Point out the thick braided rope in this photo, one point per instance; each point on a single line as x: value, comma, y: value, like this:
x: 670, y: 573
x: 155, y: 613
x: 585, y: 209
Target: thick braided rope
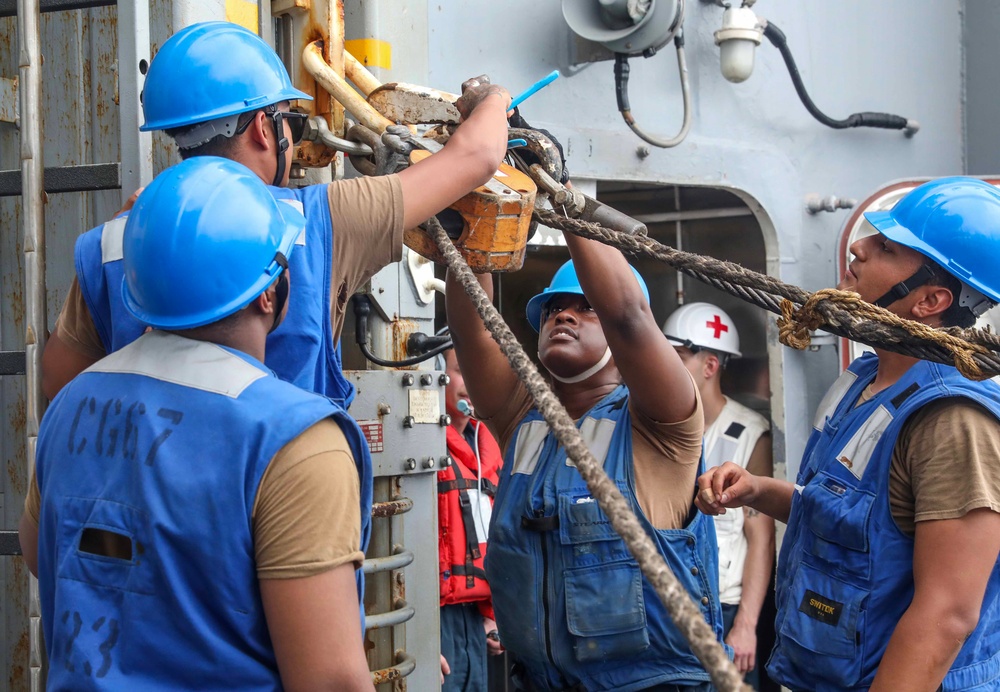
x: 972, y: 351
x: 686, y: 615
x: 795, y: 323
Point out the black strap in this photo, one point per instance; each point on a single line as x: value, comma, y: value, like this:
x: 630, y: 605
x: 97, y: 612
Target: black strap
x: 903, y: 288
x: 467, y: 571
x: 467, y: 484
x: 540, y: 524
x: 471, y: 539
x: 898, y: 400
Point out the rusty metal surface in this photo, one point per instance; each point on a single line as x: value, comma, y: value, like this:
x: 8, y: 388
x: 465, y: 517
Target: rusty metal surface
x: 405, y: 664
x: 8, y: 8
x: 299, y: 23
x: 79, y: 115
x: 334, y: 83
x: 411, y: 103
x: 391, y: 508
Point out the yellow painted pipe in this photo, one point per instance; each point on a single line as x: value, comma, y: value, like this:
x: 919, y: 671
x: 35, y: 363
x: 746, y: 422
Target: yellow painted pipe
x: 359, y: 74
x: 344, y: 93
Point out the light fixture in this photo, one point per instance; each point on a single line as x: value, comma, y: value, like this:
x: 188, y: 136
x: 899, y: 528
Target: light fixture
x: 738, y: 40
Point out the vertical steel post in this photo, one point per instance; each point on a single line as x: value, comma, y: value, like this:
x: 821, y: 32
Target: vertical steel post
x: 33, y: 218
x: 133, y: 60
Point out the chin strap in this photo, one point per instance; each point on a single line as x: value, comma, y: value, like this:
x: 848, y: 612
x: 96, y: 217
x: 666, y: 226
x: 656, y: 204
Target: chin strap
x: 280, y: 290
x: 970, y: 299
x: 592, y: 370
x: 903, y: 288
x: 283, y: 143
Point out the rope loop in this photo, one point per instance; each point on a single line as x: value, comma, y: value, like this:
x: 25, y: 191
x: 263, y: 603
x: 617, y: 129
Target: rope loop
x: 975, y: 353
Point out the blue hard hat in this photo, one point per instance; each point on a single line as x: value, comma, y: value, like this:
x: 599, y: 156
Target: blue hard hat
x: 565, y: 281
x: 956, y: 222
x: 212, y: 70
x: 204, y: 239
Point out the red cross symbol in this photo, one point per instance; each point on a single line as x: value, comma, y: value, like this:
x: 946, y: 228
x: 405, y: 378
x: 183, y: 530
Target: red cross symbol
x: 717, y: 326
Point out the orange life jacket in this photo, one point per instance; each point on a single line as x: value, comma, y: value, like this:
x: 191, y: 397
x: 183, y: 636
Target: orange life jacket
x: 460, y: 554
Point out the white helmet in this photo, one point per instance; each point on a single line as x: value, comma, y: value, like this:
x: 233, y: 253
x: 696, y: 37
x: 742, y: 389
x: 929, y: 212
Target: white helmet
x: 703, y: 325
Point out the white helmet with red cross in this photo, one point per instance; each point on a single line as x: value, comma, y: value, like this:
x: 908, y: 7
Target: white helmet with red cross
x: 703, y: 325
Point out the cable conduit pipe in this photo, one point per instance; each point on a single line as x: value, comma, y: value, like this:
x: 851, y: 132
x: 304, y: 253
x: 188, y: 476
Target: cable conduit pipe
x: 885, y: 121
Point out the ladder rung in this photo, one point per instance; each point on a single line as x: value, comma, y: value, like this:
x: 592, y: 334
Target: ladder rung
x: 85, y: 178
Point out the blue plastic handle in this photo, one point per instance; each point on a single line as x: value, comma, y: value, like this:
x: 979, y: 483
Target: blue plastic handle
x: 537, y: 86
x: 514, y: 143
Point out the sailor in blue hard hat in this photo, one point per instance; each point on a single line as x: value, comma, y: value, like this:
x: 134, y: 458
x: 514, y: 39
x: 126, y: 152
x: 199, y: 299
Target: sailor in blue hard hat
x: 571, y: 607
x: 219, y: 90
x: 889, y: 572
x: 159, y: 524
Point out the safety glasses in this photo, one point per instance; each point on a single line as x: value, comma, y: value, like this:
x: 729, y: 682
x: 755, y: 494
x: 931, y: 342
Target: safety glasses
x: 296, y: 123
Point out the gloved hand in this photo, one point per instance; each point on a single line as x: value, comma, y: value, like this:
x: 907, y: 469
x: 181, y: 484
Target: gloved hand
x: 518, y: 121
x: 476, y: 89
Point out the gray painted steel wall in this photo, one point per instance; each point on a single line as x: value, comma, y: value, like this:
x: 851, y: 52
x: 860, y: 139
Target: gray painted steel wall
x: 982, y: 107
x: 756, y: 138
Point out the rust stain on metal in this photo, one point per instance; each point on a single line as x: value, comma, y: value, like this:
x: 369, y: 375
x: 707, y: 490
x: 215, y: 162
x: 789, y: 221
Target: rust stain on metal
x: 380, y: 677
x: 319, y: 21
x: 401, y: 330
x: 17, y: 469
x: 20, y: 654
x: 15, y: 297
x: 16, y: 599
x: 399, y: 589
x: 392, y: 507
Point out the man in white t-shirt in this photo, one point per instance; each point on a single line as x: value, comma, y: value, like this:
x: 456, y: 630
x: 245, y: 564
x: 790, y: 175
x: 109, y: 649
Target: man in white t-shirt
x: 706, y: 338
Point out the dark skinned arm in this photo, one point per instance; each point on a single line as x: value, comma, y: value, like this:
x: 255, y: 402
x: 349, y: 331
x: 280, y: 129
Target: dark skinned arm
x: 647, y: 362
x: 491, y: 380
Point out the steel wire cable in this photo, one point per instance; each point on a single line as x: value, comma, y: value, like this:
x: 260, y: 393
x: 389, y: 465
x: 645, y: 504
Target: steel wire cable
x: 972, y: 351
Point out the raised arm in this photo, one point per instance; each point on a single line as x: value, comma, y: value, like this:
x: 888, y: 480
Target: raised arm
x: 659, y: 384
x: 469, y: 159
x: 488, y: 375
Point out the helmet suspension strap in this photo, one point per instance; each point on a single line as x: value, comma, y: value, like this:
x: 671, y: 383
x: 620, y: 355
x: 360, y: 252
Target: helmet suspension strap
x: 903, y: 288
x: 283, y: 143
x: 280, y: 290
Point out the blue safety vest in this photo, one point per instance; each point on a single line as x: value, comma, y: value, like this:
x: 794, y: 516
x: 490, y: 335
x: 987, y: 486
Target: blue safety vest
x: 302, y: 350
x: 164, y: 444
x: 572, y: 606
x: 845, y: 572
